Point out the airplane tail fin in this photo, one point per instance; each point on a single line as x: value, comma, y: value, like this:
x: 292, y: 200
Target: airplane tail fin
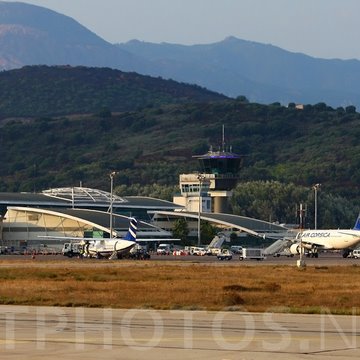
x: 131, y: 234
x: 357, y: 223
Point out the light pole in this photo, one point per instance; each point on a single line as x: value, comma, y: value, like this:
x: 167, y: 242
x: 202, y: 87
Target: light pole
x: 201, y: 179
x: 301, y: 261
x: 316, y: 188
x: 112, y: 174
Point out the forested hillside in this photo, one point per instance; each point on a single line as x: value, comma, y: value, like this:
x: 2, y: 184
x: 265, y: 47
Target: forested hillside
x: 151, y: 144
x: 317, y: 144
x: 64, y: 90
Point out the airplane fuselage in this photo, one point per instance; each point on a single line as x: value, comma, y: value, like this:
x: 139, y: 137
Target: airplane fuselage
x: 105, y: 247
x: 330, y: 239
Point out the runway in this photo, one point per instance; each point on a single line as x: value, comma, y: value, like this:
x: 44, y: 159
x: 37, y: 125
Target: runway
x: 325, y: 259
x: 82, y: 333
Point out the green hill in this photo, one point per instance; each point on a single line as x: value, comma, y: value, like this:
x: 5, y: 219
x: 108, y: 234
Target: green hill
x: 157, y: 143
x: 63, y: 90
x: 153, y: 141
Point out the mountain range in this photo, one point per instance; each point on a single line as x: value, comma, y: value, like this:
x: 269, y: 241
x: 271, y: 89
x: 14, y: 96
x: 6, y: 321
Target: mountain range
x: 32, y: 35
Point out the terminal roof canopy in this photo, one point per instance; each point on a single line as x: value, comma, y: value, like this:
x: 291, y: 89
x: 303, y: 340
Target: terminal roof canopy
x: 248, y: 225
x: 70, y: 221
x: 81, y: 194
x: 79, y: 197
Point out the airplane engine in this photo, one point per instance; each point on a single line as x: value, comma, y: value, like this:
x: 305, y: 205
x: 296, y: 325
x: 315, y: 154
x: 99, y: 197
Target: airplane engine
x: 295, y: 249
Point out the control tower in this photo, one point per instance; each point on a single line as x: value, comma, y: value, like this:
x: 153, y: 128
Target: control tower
x: 211, y: 188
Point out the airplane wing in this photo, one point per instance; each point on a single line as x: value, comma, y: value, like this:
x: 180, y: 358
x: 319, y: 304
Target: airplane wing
x: 312, y: 243
x: 156, y: 240
x: 77, y: 238
x: 70, y: 238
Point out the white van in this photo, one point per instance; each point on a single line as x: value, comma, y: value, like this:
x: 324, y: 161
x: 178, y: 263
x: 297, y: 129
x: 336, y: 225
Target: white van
x: 164, y: 249
x: 198, y: 251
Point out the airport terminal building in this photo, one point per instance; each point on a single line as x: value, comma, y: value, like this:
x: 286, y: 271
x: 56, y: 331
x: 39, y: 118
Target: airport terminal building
x: 48, y: 218
x: 35, y: 220
x: 38, y: 219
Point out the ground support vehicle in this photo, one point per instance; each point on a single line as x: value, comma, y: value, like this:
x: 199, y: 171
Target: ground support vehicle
x: 164, y: 249
x: 139, y: 255
x: 213, y: 251
x: 236, y: 249
x: 72, y: 249
x: 252, y: 253
x: 225, y: 254
x: 355, y: 254
x: 285, y: 252
x: 197, y: 251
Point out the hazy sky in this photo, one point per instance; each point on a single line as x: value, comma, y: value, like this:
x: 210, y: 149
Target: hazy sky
x: 321, y: 28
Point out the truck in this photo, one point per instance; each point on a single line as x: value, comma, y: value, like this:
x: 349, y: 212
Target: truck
x: 252, y: 253
x: 72, y: 249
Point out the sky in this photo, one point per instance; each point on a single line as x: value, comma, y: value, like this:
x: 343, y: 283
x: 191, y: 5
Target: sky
x: 320, y: 28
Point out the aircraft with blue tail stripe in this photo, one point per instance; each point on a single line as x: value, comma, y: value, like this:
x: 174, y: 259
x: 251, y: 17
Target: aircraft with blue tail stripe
x: 113, y: 247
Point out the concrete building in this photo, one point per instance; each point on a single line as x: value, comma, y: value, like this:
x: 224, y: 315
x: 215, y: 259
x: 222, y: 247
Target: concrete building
x: 205, y: 196
x: 210, y: 189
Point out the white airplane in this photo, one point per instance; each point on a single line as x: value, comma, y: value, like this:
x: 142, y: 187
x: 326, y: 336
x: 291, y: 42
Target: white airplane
x: 108, y: 247
x: 111, y: 248
x: 340, y: 239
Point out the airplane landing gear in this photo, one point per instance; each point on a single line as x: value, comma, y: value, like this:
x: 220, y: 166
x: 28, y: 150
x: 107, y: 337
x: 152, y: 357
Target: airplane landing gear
x: 313, y: 252
x: 346, y: 253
